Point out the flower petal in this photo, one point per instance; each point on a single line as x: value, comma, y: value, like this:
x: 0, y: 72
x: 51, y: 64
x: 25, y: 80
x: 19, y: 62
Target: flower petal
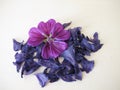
x: 65, y: 25
x: 59, y: 33
x: 48, y: 63
x: 35, y: 37
x: 68, y: 78
x: 63, y: 35
x: 46, y: 28
x: 57, y: 47
x: 69, y: 55
x: 19, y: 60
x: 17, y: 45
x: 87, y: 66
x: 29, y: 67
x: 43, y: 79
x: 46, y: 51
x: 53, y: 49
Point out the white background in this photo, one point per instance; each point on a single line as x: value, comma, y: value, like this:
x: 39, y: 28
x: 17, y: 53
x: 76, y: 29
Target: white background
x: 103, y: 16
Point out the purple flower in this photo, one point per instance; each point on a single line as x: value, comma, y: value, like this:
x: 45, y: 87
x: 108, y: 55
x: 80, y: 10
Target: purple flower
x: 48, y: 42
x: 54, y: 36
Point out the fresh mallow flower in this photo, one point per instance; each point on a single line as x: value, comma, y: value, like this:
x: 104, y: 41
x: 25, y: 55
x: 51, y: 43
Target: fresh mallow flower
x: 52, y: 33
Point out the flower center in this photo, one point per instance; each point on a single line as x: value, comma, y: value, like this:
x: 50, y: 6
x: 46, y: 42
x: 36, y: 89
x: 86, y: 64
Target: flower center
x: 48, y: 38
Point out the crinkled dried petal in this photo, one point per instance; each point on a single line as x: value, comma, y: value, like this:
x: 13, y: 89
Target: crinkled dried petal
x: 43, y: 79
x: 17, y: 45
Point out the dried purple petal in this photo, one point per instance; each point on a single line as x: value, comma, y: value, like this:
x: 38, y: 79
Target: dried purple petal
x: 19, y: 60
x: 29, y: 67
x: 87, y: 66
x: 48, y: 63
x: 43, y: 79
x: 17, y: 45
x: 66, y: 24
x: 68, y: 78
x: 96, y: 42
x: 78, y: 72
x: 52, y: 76
x: 69, y: 55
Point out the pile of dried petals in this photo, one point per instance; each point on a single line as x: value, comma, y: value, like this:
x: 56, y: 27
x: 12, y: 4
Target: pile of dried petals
x: 47, y: 43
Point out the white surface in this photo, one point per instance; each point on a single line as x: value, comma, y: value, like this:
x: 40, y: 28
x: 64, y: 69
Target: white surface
x: 103, y: 16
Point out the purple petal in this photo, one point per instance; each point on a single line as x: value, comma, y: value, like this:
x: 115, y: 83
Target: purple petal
x: 53, y: 50
x: 57, y: 47
x: 48, y: 63
x: 17, y: 45
x: 76, y: 34
x: 35, y: 37
x: 43, y: 79
x: 69, y: 55
x: 68, y: 78
x: 59, y: 33
x: 96, y: 43
x: 66, y: 24
x: 46, y: 28
x: 51, y: 74
x: 46, y: 51
x: 19, y: 60
x: 52, y: 77
x: 78, y: 75
x: 78, y: 72
x: 87, y: 66
x: 56, y: 30
x: 29, y: 67
x: 63, y: 35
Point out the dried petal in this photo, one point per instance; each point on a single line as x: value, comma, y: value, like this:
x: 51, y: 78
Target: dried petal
x: 43, y: 79
x: 69, y: 55
x: 17, y: 45
x: 87, y: 66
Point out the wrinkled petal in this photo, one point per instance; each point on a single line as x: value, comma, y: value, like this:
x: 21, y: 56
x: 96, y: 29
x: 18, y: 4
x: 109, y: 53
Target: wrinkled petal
x: 53, y: 77
x: 19, y: 57
x: 78, y: 75
x: 78, y: 72
x: 38, y: 50
x: 35, y: 37
x: 19, y: 60
x: 63, y: 35
x: 57, y: 47
x: 59, y: 33
x: 68, y: 67
x: 65, y: 25
x: 17, y: 45
x: 86, y: 44
x: 56, y: 30
x: 68, y: 78
x: 87, y: 66
x: 26, y: 49
x: 29, y: 67
x: 69, y: 55
x: 96, y: 43
x: 53, y: 49
x: 48, y: 63
x: 46, y: 28
x: 76, y: 35
x: 43, y: 79
x: 46, y: 51
x: 51, y: 74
